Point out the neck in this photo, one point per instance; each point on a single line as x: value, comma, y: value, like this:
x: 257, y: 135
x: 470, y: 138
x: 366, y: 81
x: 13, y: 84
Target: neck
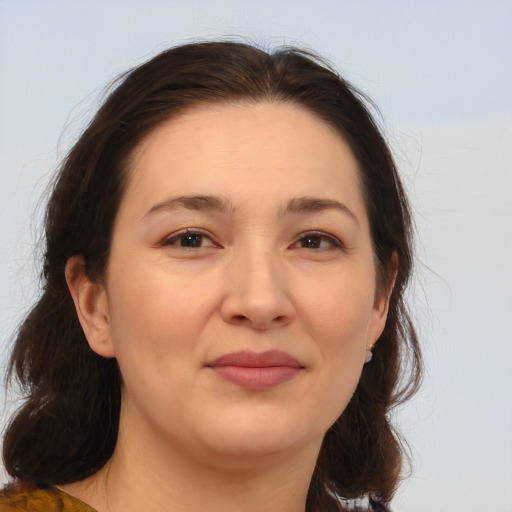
x: 145, y: 476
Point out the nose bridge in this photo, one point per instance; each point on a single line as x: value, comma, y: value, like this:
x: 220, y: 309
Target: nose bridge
x: 260, y: 274
x: 258, y: 293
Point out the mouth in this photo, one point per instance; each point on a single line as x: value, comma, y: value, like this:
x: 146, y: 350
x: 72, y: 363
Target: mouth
x: 257, y: 370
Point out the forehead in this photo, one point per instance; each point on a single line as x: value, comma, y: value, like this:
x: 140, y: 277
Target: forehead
x: 245, y: 150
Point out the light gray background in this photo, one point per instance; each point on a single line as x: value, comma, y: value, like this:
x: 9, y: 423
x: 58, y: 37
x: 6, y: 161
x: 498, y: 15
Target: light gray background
x: 441, y: 73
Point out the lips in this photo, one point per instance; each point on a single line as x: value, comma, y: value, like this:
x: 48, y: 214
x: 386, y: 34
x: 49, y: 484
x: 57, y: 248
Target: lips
x: 256, y: 371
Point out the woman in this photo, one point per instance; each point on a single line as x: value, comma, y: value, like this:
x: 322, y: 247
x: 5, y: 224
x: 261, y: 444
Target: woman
x: 222, y: 325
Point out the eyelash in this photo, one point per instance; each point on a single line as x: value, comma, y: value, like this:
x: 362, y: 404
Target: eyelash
x: 334, y: 243
x: 175, y: 237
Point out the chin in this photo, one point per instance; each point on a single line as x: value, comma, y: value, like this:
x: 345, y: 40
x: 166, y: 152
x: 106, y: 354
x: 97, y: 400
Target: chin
x: 257, y: 435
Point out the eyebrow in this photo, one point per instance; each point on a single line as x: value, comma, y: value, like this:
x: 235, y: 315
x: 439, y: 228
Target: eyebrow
x: 298, y: 205
x: 194, y: 202
x: 306, y: 204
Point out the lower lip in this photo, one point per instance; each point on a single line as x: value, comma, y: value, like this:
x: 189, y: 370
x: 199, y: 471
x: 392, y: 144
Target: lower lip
x: 259, y: 378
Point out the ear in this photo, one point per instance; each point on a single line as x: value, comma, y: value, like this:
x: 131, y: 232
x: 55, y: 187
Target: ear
x: 381, y: 305
x: 91, y: 306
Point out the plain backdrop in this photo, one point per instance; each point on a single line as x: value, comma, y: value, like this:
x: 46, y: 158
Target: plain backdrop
x: 441, y: 73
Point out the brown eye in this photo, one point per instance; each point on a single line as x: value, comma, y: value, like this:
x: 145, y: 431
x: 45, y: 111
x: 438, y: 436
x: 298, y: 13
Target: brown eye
x: 311, y: 242
x: 317, y: 241
x: 189, y: 240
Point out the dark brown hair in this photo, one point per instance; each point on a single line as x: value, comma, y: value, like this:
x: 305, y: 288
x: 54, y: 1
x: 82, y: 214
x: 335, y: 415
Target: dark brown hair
x: 67, y: 428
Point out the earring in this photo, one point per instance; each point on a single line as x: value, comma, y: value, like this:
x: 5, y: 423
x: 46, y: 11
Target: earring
x: 369, y: 354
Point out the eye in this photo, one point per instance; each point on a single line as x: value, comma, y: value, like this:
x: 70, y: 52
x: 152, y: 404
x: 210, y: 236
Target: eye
x: 189, y: 239
x: 317, y: 240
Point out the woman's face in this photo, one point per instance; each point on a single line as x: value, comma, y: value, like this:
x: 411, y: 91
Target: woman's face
x: 239, y: 298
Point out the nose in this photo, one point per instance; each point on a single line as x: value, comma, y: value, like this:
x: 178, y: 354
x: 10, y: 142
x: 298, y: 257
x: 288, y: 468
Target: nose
x: 256, y: 293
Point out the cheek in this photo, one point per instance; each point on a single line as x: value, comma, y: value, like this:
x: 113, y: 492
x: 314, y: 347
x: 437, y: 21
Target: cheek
x: 153, y: 319
x: 338, y: 311
x: 337, y: 319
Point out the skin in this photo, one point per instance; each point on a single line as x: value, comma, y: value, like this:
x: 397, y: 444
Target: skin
x: 266, y: 268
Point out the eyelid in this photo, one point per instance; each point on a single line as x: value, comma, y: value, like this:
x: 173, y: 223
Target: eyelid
x: 172, y: 238
x: 169, y: 240
x: 334, y: 240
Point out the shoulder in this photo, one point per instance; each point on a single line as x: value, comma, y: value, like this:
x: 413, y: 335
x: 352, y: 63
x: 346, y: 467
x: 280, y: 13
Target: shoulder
x: 25, y: 497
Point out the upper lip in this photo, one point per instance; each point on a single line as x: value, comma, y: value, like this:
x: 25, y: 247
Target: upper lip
x: 250, y: 359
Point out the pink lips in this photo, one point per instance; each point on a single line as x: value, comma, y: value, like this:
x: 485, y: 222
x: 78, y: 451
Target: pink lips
x: 256, y: 371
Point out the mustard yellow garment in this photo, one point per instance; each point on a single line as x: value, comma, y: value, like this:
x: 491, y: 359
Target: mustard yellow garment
x: 23, y: 497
